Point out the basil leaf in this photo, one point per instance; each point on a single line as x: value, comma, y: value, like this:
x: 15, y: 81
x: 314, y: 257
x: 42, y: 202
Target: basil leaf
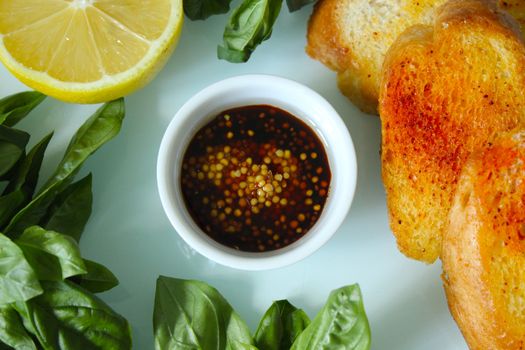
x: 101, y: 127
x: 12, y: 146
x: 68, y: 317
x: 12, y: 331
x: 202, y: 9
x: 9, y: 204
x: 193, y: 315
x: 70, y: 211
x: 341, y: 324
x: 45, y: 265
x: 23, y: 182
x: 248, y: 26
x: 18, y: 281
x: 15, y: 107
x: 280, y: 326
x: 237, y: 345
x: 36, y: 242
x: 97, y: 279
x: 294, y: 5
x: 97, y: 130
x: 26, y: 176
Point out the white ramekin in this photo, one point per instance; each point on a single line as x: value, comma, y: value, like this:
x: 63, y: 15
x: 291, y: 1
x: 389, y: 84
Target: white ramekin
x: 291, y: 96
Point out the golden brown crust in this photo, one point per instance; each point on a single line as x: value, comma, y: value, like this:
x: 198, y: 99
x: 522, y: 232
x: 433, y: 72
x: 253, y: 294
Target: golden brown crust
x: 516, y: 8
x: 445, y: 91
x: 484, y: 247
x: 360, y: 88
x: 352, y: 37
x: 327, y: 43
x: 324, y: 42
x: 484, y: 13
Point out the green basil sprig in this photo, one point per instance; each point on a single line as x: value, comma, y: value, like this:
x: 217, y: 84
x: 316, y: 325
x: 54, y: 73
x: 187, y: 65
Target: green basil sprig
x: 12, y: 332
x: 280, y: 326
x: 71, y: 209
x: 97, y: 279
x: 341, y: 324
x: 193, y: 315
x: 18, y: 280
x: 65, y: 316
x: 15, y: 107
x: 26, y: 176
x: 248, y: 26
x: 96, y: 131
x: 54, y: 256
x: 46, y: 286
x: 12, y: 146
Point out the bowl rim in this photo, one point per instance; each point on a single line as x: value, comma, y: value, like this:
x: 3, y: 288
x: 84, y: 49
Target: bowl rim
x: 185, y: 123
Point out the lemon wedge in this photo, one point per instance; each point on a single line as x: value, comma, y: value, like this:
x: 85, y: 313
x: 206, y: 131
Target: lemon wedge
x: 88, y: 51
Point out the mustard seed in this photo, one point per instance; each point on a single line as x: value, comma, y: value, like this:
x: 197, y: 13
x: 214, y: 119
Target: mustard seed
x: 268, y: 188
x: 255, y: 184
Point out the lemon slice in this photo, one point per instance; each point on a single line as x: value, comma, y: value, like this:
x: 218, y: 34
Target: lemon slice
x: 88, y: 51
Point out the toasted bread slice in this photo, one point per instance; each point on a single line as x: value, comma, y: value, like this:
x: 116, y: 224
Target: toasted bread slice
x: 446, y: 90
x: 353, y: 36
x: 484, y: 247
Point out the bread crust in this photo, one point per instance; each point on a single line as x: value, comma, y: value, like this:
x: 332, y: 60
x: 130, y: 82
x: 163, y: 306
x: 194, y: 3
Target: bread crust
x: 516, y: 8
x: 446, y: 90
x: 352, y: 37
x: 484, y: 247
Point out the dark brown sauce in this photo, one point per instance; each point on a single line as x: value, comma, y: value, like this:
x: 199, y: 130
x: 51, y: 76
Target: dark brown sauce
x: 255, y: 178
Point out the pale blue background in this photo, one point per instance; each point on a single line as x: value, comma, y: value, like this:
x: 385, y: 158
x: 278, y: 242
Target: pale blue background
x: 129, y: 232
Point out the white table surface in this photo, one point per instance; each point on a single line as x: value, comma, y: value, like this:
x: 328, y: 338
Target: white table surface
x: 129, y: 233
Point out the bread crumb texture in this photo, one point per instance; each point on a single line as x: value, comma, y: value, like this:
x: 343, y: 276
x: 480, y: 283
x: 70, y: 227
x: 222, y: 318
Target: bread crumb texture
x: 484, y: 247
x: 446, y: 90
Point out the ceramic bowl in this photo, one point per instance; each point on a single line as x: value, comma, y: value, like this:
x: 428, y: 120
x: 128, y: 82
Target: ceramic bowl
x: 300, y: 101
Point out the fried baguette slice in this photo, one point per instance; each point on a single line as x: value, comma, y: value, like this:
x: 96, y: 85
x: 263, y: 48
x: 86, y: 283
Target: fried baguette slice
x: 484, y: 247
x: 446, y: 90
x: 353, y: 36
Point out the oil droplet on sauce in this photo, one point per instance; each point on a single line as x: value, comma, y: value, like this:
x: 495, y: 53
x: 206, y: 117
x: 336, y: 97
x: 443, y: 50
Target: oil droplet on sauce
x: 255, y: 178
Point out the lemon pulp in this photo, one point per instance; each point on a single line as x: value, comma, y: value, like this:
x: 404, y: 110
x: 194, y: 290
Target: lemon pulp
x: 87, y: 50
